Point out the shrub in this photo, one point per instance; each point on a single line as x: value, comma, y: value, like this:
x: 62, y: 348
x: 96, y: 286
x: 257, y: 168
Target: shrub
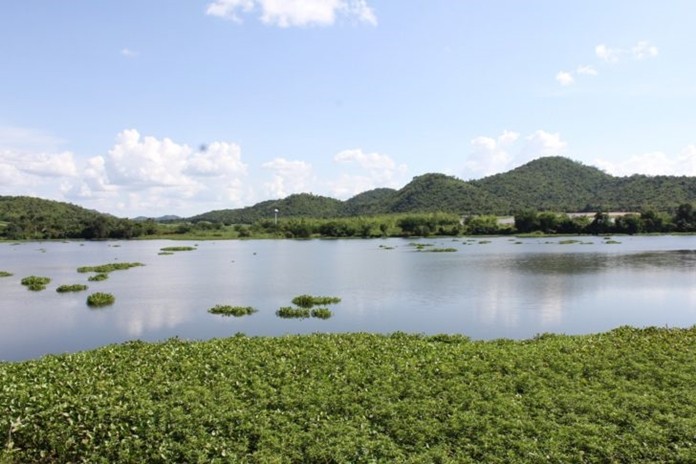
x: 36, y: 283
x: 236, y: 311
x: 71, y: 288
x: 100, y: 299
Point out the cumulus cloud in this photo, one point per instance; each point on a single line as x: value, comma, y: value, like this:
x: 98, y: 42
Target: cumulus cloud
x: 604, y: 53
x: 565, y: 78
x: 643, y: 50
x: 152, y: 175
x: 289, y: 176
x: 493, y: 155
x: 372, y: 170
x: 653, y: 163
x: 293, y: 13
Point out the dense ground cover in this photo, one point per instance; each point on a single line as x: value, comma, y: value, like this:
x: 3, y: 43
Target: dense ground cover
x: 623, y: 396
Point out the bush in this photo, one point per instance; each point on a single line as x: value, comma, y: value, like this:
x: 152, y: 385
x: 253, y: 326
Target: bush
x: 100, y: 299
x: 36, y: 283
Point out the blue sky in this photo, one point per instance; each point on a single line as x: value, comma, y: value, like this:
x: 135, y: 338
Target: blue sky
x: 160, y: 107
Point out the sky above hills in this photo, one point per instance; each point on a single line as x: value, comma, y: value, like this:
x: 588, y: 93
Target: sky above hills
x: 161, y: 107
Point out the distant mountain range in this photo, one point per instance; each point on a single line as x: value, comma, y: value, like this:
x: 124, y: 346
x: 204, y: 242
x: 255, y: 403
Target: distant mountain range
x: 546, y: 184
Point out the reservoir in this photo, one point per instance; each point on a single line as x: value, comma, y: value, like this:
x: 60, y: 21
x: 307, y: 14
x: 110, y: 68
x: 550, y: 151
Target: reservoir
x: 486, y: 288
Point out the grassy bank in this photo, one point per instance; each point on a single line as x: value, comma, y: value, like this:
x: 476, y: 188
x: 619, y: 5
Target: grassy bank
x: 623, y: 396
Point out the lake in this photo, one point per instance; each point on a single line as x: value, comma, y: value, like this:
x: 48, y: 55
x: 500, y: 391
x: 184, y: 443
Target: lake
x: 489, y: 288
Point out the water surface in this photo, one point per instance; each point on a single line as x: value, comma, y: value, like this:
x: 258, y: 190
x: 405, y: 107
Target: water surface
x: 489, y: 288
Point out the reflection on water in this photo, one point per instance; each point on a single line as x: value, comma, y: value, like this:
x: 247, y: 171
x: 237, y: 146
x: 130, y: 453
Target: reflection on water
x: 485, y: 290
x: 583, y: 263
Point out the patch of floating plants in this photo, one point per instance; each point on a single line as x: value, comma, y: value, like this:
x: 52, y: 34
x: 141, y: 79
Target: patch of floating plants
x: 569, y: 242
x: 288, y: 312
x: 303, y: 305
x: 612, y: 242
x: 236, y: 311
x: 177, y: 248
x: 98, y: 277
x: 484, y: 242
x: 165, y: 253
x: 71, y: 288
x: 307, y: 301
x: 100, y: 299
x: 36, y: 283
x: 440, y: 250
x: 5, y: 274
x: 105, y: 268
x: 386, y: 247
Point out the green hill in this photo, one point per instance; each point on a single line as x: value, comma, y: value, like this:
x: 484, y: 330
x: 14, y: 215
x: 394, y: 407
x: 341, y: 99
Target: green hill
x: 24, y: 217
x: 438, y: 192
x: 546, y: 184
x: 551, y: 183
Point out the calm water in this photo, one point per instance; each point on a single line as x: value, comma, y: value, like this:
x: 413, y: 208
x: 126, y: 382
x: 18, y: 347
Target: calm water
x: 485, y: 290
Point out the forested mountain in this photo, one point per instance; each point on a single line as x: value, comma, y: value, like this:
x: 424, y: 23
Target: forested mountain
x: 548, y: 184
x: 34, y: 218
x: 368, y: 203
x: 438, y: 192
x: 545, y: 184
x: 554, y: 184
x: 296, y: 205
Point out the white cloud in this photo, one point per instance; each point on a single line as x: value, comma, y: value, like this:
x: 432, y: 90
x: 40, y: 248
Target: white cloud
x: 290, y: 13
x: 159, y: 176
x: 218, y: 159
x: 24, y: 139
x: 382, y: 171
x: 489, y: 156
x: 644, y: 49
x: 565, y: 78
x: 587, y: 70
x: 604, y: 53
x: 289, y: 176
x: 653, y: 163
x: 40, y: 164
x: 542, y: 143
x: 639, y: 51
x: 493, y: 155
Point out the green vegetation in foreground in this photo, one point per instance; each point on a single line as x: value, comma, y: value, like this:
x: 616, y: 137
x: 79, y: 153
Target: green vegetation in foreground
x: 440, y: 250
x: 98, y: 277
x: 100, y: 299
x: 36, y: 283
x: 624, y: 396
x: 236, y: 311
x: 288, y: 312
x: 71, y: 288
x: 105, y: 268
x: 177, y: 248
x: 5, y: 274
x: 307, y: 301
